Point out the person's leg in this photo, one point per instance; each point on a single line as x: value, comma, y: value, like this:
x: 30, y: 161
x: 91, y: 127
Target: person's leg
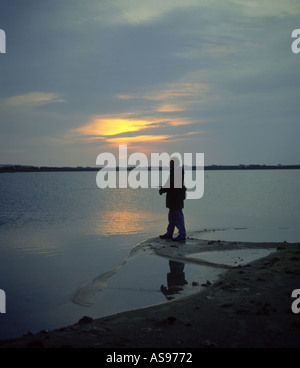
x: 171, y: 226
x: 179, y: 223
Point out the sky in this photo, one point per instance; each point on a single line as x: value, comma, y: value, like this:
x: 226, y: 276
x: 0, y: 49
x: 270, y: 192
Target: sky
x: 80, y: 78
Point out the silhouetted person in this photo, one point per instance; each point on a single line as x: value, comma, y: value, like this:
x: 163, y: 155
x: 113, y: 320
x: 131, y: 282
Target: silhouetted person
x: 175, y: 279
x: 176, y: 193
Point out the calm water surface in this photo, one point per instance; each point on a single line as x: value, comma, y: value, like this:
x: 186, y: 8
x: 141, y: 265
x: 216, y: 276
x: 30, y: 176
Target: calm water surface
x: 58, y: 231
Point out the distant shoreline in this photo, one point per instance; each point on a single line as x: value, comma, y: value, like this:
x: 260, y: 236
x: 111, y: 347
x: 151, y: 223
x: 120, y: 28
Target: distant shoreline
x: 24, y: 168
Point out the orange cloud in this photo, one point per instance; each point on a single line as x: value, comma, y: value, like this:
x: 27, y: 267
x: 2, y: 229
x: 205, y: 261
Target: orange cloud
x: 111, y: 129
x: 139, y: 139
x: 170, y: 108
x: 102, y: 126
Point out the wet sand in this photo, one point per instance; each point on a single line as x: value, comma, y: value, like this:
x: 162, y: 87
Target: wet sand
x: 249, y: 305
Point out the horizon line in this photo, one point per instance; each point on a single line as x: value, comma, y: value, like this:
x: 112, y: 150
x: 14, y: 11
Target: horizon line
x: 33, y: 168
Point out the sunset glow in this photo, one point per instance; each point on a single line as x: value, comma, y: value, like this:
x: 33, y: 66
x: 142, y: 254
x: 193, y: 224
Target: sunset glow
x: 118, y: 130
x: 112, y: 126
x: 137, y: 139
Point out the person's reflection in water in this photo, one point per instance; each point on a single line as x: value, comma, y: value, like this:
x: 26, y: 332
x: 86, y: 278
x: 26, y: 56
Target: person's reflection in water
x: 175, y: 279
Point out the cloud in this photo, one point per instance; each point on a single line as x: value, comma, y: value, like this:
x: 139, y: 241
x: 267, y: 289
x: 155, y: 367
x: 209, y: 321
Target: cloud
x: 130, y: 12
x: 128, y: 71
x: 135, y: 12
x: 172, y: 98
x: 156, y: 109
x: 268, y: 8
x: 138, y: 130
x: 121, y: 127
x: 171, y: 108
x: 138, y: 139
x: 33, y: 99
x: 108, y: 125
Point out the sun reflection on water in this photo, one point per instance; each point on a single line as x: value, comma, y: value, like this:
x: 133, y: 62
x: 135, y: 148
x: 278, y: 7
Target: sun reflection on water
x: 125, y: 213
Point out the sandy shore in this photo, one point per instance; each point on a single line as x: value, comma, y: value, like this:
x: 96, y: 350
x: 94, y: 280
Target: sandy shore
x: 249, y: 306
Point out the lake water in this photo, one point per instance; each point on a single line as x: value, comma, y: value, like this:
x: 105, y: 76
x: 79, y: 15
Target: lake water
x: 58, y: 231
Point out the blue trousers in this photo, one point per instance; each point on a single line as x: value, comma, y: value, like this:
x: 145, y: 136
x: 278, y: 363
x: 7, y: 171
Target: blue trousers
x: 176, y: 219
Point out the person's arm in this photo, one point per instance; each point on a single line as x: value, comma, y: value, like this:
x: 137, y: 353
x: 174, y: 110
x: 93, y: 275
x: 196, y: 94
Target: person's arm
x: 163, y: 190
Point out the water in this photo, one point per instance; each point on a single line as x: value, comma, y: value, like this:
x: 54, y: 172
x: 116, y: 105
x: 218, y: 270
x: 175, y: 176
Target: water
x: 59, y: 231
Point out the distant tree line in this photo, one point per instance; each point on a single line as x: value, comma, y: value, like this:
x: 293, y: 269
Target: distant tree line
x: 24, y: 168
